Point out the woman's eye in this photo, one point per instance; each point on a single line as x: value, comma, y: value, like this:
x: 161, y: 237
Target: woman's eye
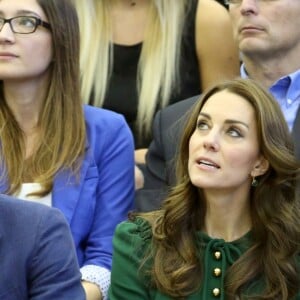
x: 202, y: 125
x: 27, y: 21
x: 234, y: 132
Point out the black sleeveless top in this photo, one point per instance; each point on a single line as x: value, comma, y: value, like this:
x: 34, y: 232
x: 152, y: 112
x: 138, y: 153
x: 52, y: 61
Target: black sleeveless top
x: 122, y: 95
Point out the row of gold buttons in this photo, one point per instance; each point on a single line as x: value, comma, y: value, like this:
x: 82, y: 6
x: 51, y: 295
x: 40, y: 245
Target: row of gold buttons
x: 217, y: 272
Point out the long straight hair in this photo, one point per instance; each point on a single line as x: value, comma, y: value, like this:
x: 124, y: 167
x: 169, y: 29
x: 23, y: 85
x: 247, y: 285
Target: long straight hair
x: 158, y: 64
x: 61, y: 123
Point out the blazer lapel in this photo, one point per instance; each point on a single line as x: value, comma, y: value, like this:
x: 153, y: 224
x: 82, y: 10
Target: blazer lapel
x: 67, y: 187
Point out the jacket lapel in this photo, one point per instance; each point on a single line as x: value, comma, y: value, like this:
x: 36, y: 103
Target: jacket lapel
x: 67, y: 187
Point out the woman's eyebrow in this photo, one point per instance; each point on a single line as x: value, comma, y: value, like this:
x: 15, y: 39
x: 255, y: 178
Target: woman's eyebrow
x: 228, y: 121
x: 204, y: 115
x: 22, y: 12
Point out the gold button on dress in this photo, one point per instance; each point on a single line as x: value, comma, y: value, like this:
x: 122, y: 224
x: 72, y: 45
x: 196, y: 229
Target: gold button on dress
x: 217, y: 255
x: 217, y: 272
x: 216, y: 292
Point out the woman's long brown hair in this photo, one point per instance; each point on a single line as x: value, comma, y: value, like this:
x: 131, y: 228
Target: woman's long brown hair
x: 177, y: 270
x: 61, y: 122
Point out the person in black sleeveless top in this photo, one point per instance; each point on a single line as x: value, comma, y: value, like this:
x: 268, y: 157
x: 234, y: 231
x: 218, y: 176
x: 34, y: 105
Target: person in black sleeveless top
x: 138, y: 56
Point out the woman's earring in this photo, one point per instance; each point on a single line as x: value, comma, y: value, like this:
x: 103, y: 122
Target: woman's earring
x: 254, y: 182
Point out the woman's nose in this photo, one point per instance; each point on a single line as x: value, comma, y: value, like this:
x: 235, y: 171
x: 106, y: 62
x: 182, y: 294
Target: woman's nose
x: 6, y: 33
x: 211, y: 141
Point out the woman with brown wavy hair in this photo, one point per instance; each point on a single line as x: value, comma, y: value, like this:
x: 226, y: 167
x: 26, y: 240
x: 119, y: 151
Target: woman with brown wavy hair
x: 230, y: 228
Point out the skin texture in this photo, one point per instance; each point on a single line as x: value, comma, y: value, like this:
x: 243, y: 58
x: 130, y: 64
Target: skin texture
x: 24, y: 62
x: 24, y: 57
x: 267, y: 33
x: 226, y: 134
x: 224, y: 155
x: 215, y: 64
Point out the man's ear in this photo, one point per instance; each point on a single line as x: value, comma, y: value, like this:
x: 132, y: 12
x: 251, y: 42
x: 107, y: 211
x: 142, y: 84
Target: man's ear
x: 261, y: 167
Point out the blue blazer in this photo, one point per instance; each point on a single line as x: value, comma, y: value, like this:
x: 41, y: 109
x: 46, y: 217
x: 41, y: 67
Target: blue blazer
x: 103, y: 194
x: 38, y: 260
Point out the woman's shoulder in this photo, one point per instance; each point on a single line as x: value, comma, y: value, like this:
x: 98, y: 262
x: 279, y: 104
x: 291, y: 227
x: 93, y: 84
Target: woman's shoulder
x: 137, y: 227
x: 102, y: 116
x: 106, y: 125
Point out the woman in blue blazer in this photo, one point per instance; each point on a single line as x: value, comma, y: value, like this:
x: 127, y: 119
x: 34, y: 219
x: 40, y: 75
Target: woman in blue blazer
x: 104, y: 194
x: 76, y: 158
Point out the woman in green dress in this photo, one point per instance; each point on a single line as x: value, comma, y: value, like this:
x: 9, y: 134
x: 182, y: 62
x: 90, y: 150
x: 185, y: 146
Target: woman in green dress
x: 230, y: 227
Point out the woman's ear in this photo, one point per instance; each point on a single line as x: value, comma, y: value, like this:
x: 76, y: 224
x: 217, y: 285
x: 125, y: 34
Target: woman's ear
x: 260, y: 167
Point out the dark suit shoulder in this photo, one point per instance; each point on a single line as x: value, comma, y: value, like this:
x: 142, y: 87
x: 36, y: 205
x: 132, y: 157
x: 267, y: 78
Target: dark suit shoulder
x: 22, y: 209
x: 40, y: 260
x: 159, y: 169
x: 175, y: 111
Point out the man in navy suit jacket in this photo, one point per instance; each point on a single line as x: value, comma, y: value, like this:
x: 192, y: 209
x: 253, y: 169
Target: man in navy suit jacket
x: 270, y: 50
x: 38, y: 260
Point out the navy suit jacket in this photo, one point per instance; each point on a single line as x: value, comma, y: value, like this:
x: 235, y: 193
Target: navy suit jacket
x: 38, y: 259
x: 159, y: 170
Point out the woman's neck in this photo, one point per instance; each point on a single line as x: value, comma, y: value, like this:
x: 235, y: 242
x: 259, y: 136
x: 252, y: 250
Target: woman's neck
x: 25, y: 102
x: 129, y: 21
x: 227, y: 216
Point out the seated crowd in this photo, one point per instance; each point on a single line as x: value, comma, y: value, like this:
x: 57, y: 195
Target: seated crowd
x: 153, y: 149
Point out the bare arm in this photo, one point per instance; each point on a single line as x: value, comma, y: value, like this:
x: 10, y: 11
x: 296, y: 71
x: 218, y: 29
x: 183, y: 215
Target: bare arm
x: 139, y: 155
x: 216, y: 50
x: 92, y: 291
